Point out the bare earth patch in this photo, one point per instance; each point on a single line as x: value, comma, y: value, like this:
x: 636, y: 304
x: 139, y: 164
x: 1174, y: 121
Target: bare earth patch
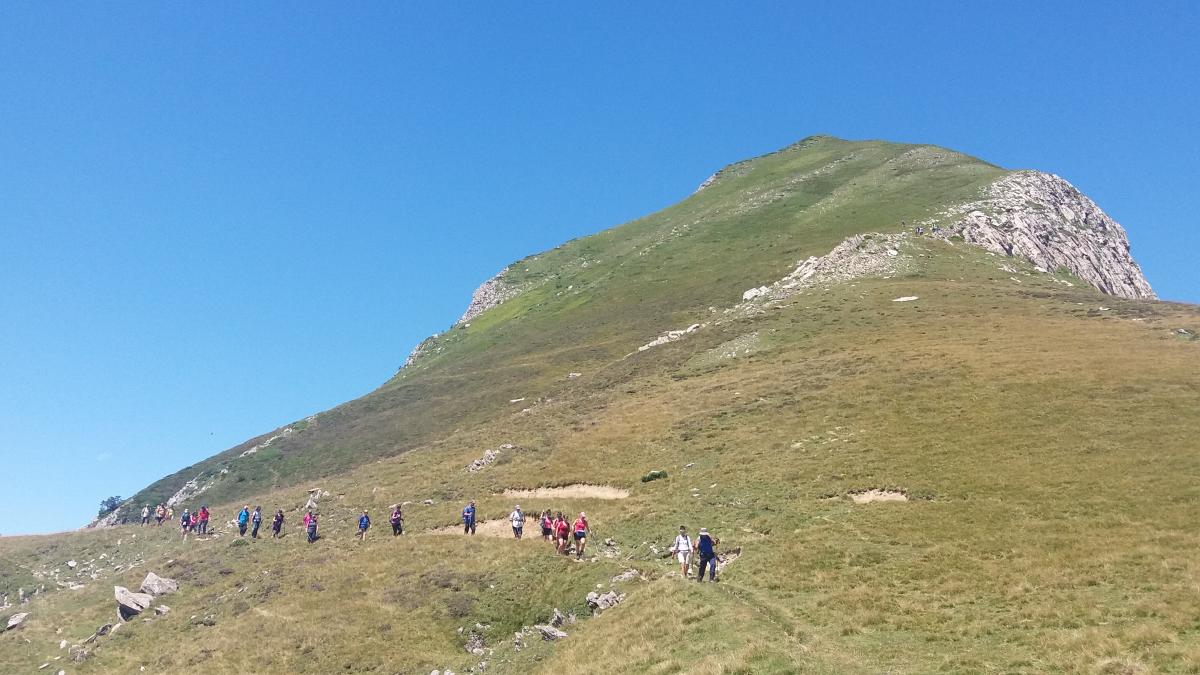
x: 868, y: 496
x: 577, y: 491
x: 500, y: 527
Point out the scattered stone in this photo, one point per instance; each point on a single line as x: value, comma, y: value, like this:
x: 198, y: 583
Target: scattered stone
x: 627, y: 575
x: 907, y: 298
x: 670, y: 336
x: 71, y: 564
x: 104, y: 630
x: 62, y: 644
x: 600, y: 602
x: 161, y: 609
x: 475, y: 644
x: 755, y: 292
x: 156, y: 585
x: 557, y: 618
x: 427, y: 502
x: 571, y: 376
x: 78, y: 654
x: 16, y: 620
x: 550, y: 633
x: 489, y: 457
x: 130, y: 604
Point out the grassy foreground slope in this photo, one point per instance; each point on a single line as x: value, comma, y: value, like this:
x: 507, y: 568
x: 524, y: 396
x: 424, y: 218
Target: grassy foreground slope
x: 1044, y: 435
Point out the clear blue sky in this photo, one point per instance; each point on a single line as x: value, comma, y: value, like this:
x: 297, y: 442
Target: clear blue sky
x: 216, y: 218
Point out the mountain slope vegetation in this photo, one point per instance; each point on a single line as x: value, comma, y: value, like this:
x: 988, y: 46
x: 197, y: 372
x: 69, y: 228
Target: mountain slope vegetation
x: 1036, y: 435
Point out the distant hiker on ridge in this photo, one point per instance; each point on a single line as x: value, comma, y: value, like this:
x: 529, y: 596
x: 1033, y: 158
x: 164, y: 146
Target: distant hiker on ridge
x: 277, y: 524
x: 310, y: 524
x: 257, y: 520
x: 145, y: 514
x: 364, y: 523
x: 468, y: 516
x: 518, y: 521
x: 397, y: 520
x: 243, y: 519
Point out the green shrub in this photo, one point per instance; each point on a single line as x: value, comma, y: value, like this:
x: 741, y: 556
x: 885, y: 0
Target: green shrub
x: 654, y: 475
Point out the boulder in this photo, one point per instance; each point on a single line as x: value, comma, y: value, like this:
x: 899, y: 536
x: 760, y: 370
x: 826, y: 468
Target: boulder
x: 161, y: 609
x: 130, y: 604
x: 557, y: 618
x: 627, y: 575
x: 16, y: 620
x: 71, y: 564
x: 550, y: 632
x: 156, y: 585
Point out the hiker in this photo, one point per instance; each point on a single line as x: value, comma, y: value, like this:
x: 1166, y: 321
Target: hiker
x: 170, y: 513
x: 277, y: 524
x: 706, y: 547
x: 257, y: 520
x: 468, y: 517
x: 562, y: 531
x: 242, y: 519
x: 364, y: 522
x: 185, y: 523
x: 160, y: 514
x: 518, y: 521
x: 682, y: 548
x: 547, y: 526
x: 581, y: 533
x: 310, y: 524
x: 397, y: 521
x: 204, y: 519
x: 145, y: 514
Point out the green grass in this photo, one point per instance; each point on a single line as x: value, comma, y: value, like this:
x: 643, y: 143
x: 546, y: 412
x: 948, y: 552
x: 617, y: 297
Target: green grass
x: 1047, y: 449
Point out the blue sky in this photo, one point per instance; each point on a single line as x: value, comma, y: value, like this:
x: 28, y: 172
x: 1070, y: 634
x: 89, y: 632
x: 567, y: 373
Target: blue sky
x: 219, y: 218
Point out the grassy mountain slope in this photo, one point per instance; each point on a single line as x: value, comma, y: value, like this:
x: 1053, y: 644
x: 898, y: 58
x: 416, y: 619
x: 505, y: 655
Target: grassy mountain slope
x: 1043, y: 434
x: 591, y: 300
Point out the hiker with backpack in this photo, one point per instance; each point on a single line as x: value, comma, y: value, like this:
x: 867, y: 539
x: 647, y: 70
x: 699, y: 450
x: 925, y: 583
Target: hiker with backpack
x: 203, y: 514
x: 581, y: 529
x: 397, y: 521
x: 706, y: 548
x: 547, y: 526
x: 243, y: 519
x: 256, y: 519
x: 468, y: 518
x: 185, y: 523
x: 364, y: 523
x: 277, y: 524
x: 145, y: 514
x: 518, y: 521
x: 682, y: 548
x: 160, y: 514
x: 310, y: 525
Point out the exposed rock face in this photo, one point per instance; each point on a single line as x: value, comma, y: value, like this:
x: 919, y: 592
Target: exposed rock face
x: 16, y: 620
x: 156, y: 585
x: 550, y: 632
x: 491, y: 293
x: 1044, y: 219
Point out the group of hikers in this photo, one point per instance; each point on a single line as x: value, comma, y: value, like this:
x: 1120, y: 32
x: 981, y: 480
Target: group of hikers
x: 556, y: 528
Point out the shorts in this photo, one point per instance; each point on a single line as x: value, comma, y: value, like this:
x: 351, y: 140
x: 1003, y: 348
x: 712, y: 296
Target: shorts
x: 580, y: 535
x: 683, y: 557
x: 517, y: 529
x: 546, y: 532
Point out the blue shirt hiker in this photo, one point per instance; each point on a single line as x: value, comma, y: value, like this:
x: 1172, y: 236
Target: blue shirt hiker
x: 469, y: 518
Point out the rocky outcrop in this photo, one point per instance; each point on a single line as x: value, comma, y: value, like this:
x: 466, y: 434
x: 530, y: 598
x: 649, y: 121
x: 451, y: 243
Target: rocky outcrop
x: 1044, y: 219
x: 602, y: 601
x: 492, y: 292
x: 16, y: 620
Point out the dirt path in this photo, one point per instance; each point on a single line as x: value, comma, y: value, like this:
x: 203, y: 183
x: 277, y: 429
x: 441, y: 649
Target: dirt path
x: 496, y: 528
x: 577, y: 491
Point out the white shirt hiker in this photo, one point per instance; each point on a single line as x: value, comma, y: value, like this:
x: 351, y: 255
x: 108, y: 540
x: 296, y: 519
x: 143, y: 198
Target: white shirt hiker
x: 517, y: 518
x: 682, y: 548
